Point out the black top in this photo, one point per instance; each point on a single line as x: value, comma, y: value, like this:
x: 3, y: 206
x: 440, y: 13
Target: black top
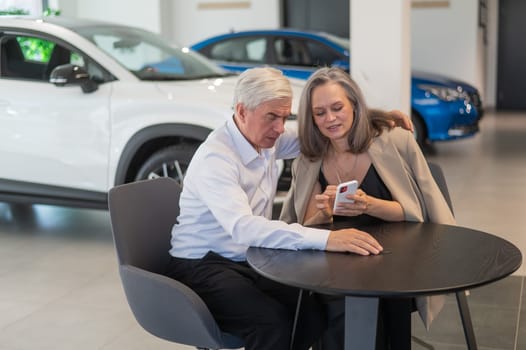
x: 373, y: 185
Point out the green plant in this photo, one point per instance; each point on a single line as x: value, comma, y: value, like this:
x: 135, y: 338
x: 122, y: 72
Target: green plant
x: 13, y: 11
x: 51, y: 12
x: 35, y: 49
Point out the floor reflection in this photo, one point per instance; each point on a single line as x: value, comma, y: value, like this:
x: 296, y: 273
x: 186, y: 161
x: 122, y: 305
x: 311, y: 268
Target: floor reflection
x: 60, y: 222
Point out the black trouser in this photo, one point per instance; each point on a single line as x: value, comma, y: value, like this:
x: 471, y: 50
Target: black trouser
x: 394, y: 324
x: 250, y: 306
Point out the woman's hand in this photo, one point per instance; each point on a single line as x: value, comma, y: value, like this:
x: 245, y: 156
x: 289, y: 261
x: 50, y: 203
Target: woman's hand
x: 325, y: 201
x: 388, y: 210
x: 358, y: 207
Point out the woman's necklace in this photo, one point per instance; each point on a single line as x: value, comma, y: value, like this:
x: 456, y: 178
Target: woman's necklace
x: 337, y: 169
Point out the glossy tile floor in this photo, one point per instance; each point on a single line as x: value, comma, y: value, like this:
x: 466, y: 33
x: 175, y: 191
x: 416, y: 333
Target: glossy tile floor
x: 59, y: 287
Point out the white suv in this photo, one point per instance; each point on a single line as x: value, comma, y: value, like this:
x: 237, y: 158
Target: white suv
x: 87, y: 105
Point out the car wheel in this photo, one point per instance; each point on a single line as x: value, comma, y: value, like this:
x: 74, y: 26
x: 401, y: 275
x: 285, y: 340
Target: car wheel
x: 419, y: 130
x: 168, y: 162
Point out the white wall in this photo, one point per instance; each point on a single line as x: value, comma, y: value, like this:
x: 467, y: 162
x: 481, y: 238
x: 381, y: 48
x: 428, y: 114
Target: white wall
x: 192, y: 23
x: 181, y: 21
x: 34, y: 7
x: 448, y: 40
x: 380, y: 52
x: 139, y: 13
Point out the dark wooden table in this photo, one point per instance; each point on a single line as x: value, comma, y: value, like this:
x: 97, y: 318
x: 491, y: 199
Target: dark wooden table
x: 419, y: 259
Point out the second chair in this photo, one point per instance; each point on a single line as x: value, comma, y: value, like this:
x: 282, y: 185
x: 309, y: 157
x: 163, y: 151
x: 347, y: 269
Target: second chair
x: 142, y: 215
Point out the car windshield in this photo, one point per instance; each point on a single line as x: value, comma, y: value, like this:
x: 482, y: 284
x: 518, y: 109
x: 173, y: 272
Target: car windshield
x: 148, y: 56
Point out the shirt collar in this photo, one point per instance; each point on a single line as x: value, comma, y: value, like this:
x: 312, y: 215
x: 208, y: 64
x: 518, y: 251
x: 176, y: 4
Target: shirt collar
x: 247, y: 152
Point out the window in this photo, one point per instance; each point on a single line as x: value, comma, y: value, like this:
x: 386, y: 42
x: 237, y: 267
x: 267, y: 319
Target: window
x: 321, y: 55
x: 34, y: 58
x: 34, y: 49
x: 148, y: 56
x: 24, y: 57
x: 135, y: 54
x: 240, y: 50
x: 256, y: 50
x: 291, y: 52
x: 223, y: 51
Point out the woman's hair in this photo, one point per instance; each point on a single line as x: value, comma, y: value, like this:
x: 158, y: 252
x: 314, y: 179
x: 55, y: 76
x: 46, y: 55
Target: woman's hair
x: 258, y: 85
x: 366, y: 125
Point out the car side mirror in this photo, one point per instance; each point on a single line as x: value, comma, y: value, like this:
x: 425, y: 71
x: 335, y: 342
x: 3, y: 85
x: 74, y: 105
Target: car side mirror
x: 71, y: 74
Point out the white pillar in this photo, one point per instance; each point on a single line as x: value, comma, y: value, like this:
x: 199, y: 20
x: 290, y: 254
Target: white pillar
x: 381, y: 52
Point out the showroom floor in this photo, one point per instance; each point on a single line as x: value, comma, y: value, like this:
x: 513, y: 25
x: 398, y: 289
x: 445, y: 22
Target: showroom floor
x: 59, y: 287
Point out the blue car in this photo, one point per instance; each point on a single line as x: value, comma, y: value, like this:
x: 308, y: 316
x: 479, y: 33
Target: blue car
x: 441, y: 108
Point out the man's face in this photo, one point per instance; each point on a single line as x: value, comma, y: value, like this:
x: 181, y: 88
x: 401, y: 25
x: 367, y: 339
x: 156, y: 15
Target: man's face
x: 263, y: 125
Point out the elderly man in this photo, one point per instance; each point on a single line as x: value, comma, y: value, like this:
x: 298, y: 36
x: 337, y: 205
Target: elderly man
x: 226, y: 206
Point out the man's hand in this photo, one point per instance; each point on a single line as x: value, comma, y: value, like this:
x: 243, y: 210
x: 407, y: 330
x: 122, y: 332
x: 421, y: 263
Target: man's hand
x: 354, y: 241
x: 402, y: 120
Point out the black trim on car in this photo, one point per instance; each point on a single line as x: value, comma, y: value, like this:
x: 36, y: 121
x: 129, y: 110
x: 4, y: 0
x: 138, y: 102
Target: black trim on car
x: 32, y: 193
x: 198, y: 133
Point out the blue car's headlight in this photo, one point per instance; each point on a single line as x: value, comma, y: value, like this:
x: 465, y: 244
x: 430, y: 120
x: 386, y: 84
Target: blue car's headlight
x: 446, y: 93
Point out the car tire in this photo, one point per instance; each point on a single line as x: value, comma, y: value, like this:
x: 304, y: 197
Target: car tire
x: 168, y: 162
x: 419, y: 130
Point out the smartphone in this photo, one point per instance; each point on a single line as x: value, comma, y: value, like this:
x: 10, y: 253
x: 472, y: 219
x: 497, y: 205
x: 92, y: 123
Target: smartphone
x: 343, y: 190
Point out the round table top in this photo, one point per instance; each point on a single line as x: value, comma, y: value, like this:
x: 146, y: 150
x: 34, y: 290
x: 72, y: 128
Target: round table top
x: 418, y: 259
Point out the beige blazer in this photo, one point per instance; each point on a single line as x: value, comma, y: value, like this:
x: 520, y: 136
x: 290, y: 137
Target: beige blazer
x: 404, y: 170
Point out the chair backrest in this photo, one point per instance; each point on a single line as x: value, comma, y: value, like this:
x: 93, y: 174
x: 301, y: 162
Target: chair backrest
x: 440, y: 179
x: 13, y: 63
x: 142, y: 216
x: 11, y: 52
x: 59, y: 56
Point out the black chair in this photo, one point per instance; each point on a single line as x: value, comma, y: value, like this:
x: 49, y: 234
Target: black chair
x: 462, y: 301
x: 10, y: 55
x: 142, y: 215
x: 13, y: 63
x: 440, y: 179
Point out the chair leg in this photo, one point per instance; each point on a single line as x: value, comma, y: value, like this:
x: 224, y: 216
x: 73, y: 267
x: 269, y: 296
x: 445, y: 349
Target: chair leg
x: 463, y: 308
x: 298, y: 305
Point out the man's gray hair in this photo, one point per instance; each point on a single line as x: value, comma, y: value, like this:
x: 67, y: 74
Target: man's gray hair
x: 258, y: 85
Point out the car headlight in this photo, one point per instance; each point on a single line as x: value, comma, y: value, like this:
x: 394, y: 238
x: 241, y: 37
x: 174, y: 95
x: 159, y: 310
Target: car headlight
x: 446, y: 93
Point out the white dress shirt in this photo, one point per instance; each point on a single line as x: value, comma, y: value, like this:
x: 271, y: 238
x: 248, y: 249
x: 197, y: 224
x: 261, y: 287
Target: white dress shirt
x: 227, y: 198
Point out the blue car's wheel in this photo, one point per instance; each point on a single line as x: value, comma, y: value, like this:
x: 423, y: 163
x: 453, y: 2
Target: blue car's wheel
x: 420, y: 129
